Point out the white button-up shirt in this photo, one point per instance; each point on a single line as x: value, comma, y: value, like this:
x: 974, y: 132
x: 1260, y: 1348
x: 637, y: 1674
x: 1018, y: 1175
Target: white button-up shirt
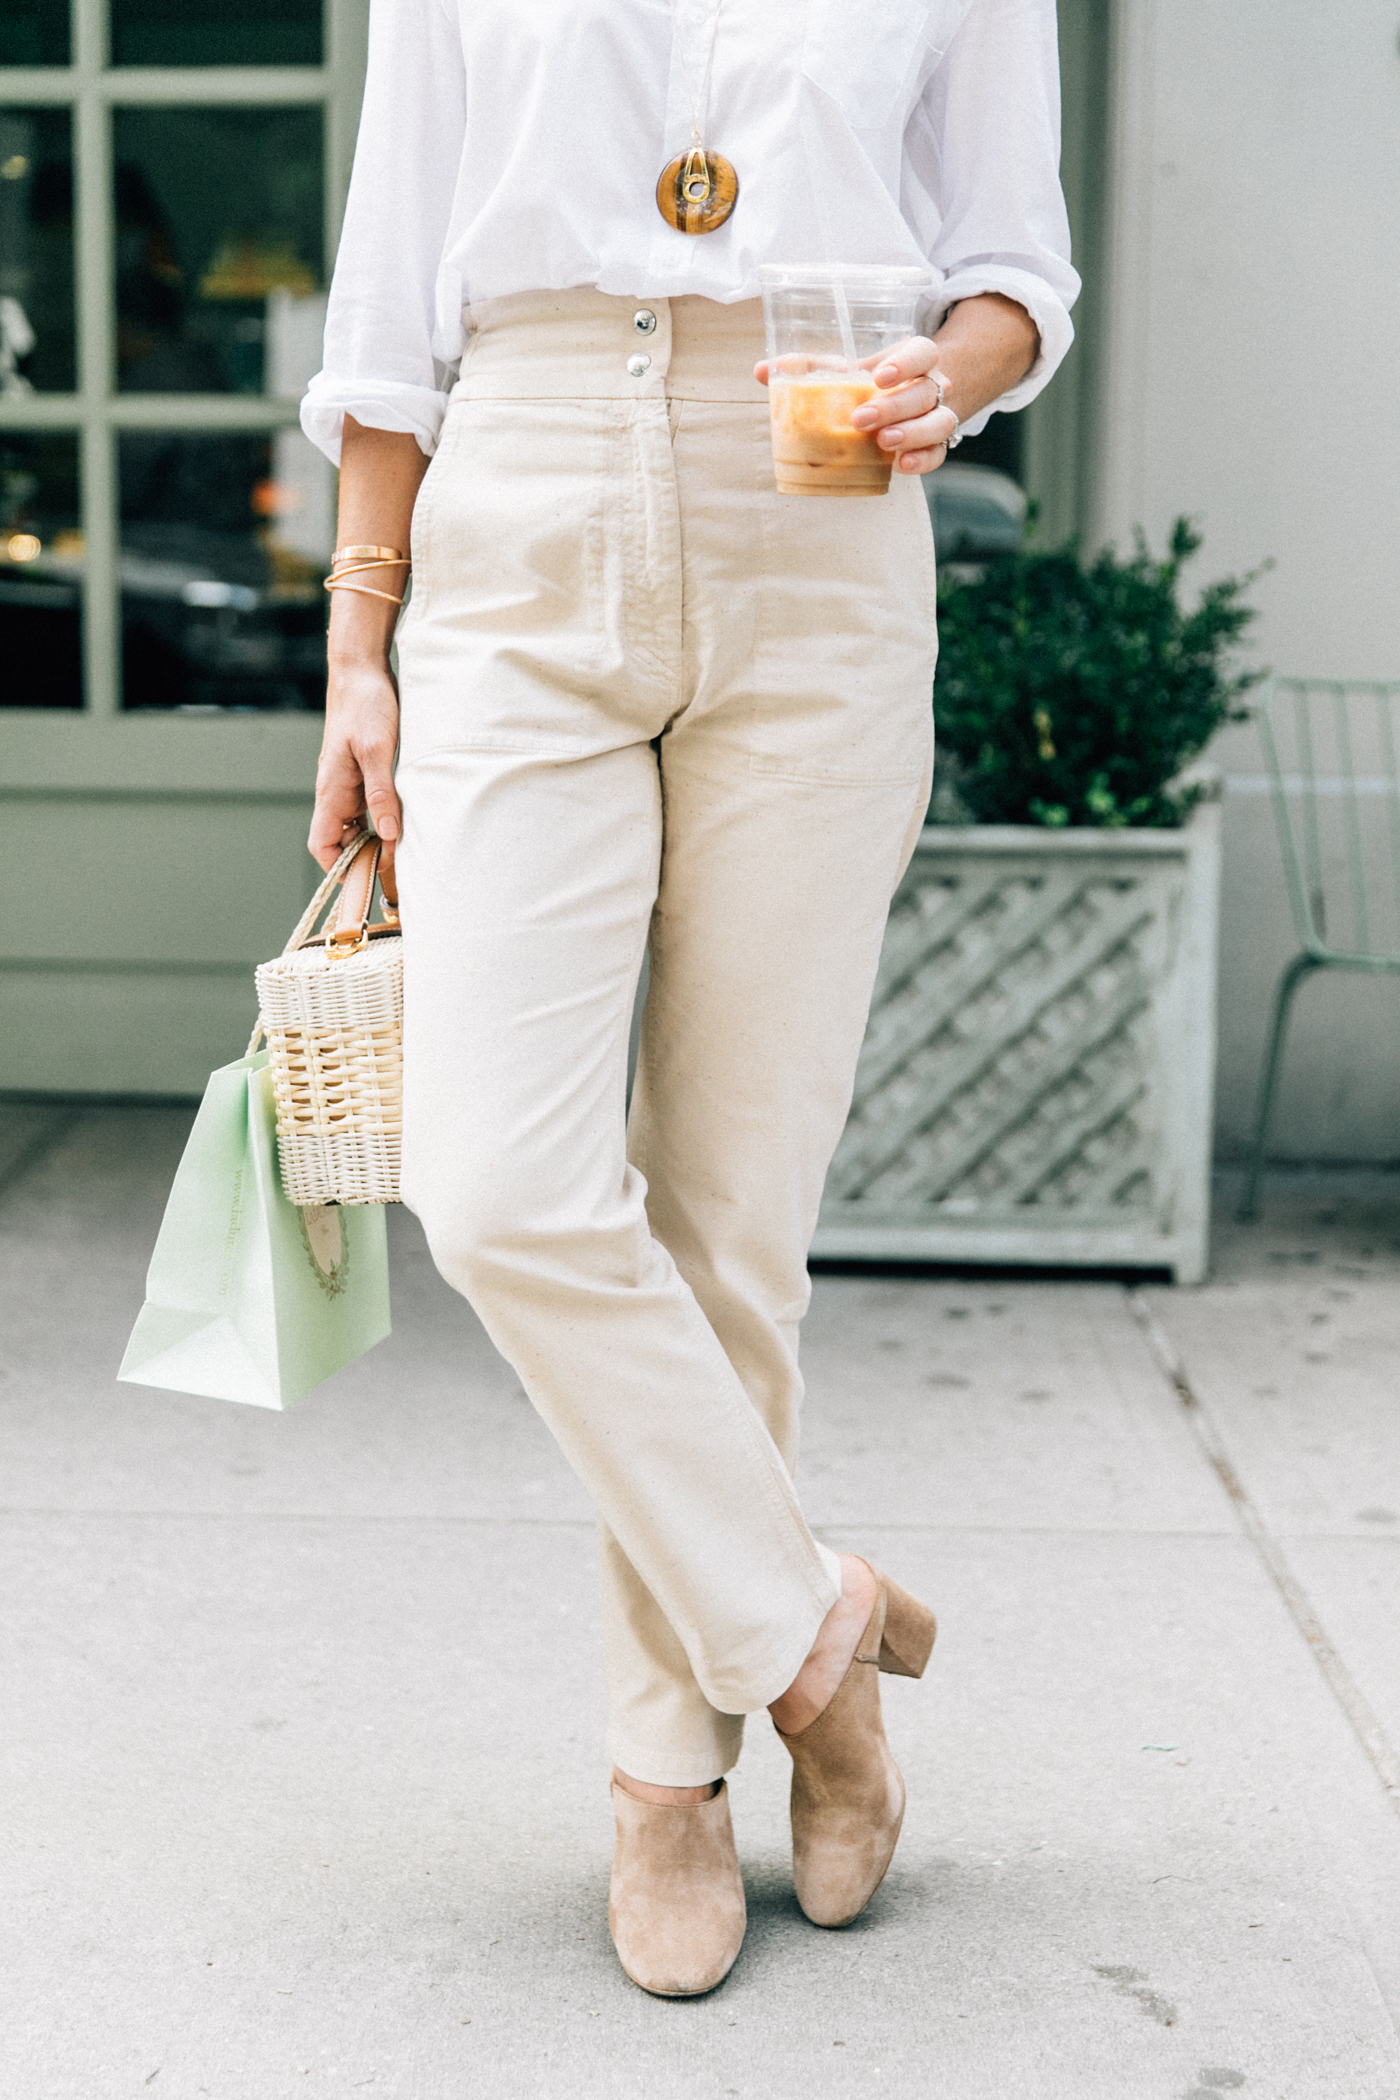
x: 511, y: 147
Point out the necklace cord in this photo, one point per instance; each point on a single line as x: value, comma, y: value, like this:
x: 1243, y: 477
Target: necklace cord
x: 699, y: 104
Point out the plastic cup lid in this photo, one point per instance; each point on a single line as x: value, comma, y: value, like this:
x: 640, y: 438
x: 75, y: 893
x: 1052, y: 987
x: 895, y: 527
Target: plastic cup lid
x: 857, y: 276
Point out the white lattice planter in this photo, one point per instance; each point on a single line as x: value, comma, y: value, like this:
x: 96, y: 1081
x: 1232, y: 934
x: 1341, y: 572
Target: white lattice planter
x: 1037, y: 1077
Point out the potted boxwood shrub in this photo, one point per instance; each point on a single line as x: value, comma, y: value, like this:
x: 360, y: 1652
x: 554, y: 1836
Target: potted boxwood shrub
x: 1037, y: 1077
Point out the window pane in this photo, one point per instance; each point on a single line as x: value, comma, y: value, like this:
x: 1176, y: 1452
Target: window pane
x: 36, y: 251
x: 225, y: 543
x: 218, y: 223
x: 34, y: 33
x: 216, y: 32
x: 41, y: 571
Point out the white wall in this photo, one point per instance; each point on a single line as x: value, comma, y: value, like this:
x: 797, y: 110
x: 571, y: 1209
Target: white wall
x: 1249, y: 376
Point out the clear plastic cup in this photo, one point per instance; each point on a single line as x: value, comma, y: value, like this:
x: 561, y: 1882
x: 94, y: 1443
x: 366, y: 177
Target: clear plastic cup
x: 827, y: 326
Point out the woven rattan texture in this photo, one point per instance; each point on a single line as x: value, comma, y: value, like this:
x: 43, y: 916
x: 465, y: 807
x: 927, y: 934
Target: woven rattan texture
x: 334, y: 1028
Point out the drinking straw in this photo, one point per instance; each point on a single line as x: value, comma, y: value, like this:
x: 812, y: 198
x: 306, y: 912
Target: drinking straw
x: 843, y: 318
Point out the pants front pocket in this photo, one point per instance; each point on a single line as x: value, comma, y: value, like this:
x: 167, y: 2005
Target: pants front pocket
x: 847, y: 638
x: 517, y: 641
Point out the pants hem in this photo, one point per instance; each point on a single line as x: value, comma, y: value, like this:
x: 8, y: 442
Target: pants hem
x: 773, y: 1681
x: 674, y: 1767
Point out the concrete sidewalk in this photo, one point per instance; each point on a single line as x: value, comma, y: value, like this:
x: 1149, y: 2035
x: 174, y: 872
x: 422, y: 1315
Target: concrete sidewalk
x: 302, y: 1713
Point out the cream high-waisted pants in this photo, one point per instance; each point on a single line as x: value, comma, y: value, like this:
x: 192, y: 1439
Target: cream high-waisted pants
x: 647, y: 700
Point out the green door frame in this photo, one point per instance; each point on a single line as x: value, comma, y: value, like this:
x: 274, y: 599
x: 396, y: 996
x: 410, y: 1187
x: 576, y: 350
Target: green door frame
x: 1057, y: 467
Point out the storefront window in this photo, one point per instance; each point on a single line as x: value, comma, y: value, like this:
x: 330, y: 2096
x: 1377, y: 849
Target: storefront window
x: 218, y: 241
x: 34, y: 33
x: 167, y: 352
x: 37, y: 349
x: 41, y: 570
x: 216, y: 32
x: 225, y: 542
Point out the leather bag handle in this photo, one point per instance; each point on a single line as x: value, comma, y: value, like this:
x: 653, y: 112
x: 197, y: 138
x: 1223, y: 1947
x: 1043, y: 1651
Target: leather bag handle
x: 355, y: 874
x: 348, y: 929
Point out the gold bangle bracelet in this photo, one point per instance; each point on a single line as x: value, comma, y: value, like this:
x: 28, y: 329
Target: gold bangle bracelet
x: 357, y: 568
x: 380, y: 556
x: 363, y: 589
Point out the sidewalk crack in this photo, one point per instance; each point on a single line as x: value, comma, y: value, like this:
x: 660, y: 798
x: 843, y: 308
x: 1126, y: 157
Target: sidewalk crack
x: 1345, y: 1689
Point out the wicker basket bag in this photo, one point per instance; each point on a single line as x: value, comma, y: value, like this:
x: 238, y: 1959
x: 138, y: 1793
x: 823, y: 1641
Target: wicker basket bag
x: 331, y: 1008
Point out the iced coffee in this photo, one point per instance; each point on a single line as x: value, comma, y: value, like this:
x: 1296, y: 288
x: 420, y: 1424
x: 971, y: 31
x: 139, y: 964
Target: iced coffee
x: 817, y: 451
x: 828, y: 326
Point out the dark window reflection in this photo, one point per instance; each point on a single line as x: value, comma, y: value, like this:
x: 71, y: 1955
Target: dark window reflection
x: 36, y: 251
x: 215, y: 32
x: 34, y: 33
x: 219, y: 255
x: 41, y: 571
x: 225, y: 543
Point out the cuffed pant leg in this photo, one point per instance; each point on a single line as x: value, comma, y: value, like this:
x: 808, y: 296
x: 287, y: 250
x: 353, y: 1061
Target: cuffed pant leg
x: 527, y: 885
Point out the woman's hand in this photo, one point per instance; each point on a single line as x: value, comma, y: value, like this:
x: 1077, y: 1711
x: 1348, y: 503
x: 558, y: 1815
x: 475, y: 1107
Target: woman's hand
x: 985, y: 346
x: 380, y: 472
x: 907, y: 420
x: 355, y: 775
x: 910, y: 424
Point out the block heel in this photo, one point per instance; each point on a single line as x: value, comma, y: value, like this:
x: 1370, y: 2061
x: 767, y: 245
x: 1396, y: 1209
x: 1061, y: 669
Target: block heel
x: 909, y: 1634
x: 847, y: 1793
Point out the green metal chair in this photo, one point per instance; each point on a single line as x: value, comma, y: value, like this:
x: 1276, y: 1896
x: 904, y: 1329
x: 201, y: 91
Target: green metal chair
x: 1331, y: 750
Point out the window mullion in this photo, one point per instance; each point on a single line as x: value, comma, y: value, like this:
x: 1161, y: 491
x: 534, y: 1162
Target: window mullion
x: 94, y: 236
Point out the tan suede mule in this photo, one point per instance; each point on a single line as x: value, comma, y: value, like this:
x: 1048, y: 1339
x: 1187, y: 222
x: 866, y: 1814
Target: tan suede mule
x: 676, y: 1905
x: 847, y: 1793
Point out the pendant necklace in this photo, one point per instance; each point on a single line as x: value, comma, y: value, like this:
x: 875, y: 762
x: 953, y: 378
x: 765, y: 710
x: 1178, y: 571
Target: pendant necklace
x: 697, y: 191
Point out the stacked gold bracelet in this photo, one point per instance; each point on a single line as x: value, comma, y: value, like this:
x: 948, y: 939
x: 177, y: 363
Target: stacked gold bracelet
x: 355, y: 559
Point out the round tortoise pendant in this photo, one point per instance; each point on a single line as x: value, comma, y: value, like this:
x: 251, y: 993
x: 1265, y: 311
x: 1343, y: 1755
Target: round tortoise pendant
x: 697, y: 191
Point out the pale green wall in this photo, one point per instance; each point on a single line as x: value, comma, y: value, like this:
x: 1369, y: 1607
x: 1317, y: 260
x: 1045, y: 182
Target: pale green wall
x: 149, y: 865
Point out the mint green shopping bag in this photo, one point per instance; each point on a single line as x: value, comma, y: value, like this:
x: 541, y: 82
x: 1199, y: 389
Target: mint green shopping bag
x: 248, y: 1297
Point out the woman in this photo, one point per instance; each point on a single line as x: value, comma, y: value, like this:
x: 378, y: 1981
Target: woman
x: 649, y: 705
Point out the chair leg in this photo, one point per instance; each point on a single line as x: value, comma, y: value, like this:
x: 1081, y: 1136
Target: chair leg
x: 1300, y: 967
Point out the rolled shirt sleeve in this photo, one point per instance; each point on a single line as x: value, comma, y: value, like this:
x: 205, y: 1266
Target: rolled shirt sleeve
x: 982, y: 157
x: 388, y: 355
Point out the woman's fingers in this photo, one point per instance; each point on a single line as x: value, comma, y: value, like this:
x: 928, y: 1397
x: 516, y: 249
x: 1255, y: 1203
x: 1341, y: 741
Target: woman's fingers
x: 921, y: 462
x: 355, y: 775
x: 914, y: 400
x: 918, y: 433
x: 340, y: 800
x: 908, y: 360
x: 921, y: 444
x: 375, y: 755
